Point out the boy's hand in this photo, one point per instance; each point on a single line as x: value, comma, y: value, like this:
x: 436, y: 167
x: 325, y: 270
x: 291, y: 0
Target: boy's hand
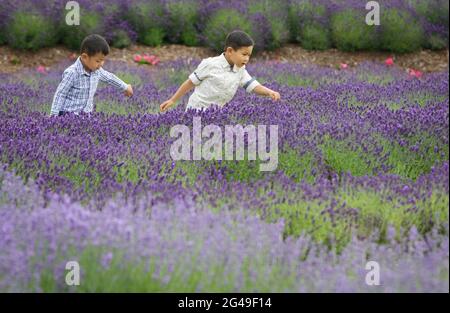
x: 274, y: 95
x: 129, y: 91
x: 166, y: 104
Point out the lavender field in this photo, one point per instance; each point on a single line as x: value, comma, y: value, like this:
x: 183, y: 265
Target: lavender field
x: 363, y: 175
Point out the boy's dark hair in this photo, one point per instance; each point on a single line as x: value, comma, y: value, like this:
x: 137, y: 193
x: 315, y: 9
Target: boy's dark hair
x: 94, y: 44
x: 238, y: 39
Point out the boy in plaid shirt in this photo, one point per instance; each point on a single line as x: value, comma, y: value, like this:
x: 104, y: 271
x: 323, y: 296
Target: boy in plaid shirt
x: 76, y: 91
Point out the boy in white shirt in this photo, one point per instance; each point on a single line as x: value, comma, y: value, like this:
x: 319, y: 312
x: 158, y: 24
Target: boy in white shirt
x: 217, y: 79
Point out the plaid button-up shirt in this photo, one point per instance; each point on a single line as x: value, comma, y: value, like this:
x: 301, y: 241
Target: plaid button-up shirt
x: 76, y: 91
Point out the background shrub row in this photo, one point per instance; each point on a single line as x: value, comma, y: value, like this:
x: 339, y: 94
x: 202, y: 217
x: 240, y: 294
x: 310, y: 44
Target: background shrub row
x: 406, y: 25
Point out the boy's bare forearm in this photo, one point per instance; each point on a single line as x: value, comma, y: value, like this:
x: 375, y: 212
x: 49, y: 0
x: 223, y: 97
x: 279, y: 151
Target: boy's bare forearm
x: 184, y: 89
x: 262, y: 91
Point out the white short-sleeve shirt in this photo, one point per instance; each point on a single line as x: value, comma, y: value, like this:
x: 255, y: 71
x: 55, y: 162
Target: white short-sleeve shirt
x: 216, y: 82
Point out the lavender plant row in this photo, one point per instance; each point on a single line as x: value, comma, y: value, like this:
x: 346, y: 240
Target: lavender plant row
x: 362, y: 176
x: 186, y: 247
x: 32, y: 24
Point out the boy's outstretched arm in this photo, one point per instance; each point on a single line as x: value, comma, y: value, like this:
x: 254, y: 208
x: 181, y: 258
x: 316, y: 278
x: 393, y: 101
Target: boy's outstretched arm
x: 264, y: 91
x: 115, y: 81
x: 184, y: 89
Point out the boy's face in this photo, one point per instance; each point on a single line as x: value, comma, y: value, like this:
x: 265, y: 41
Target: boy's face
x: 241, y: 56
x: 93, y: 63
